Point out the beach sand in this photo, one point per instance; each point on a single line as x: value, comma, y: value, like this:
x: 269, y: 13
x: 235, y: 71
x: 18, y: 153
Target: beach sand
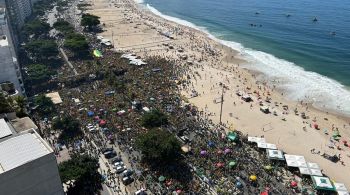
x: 136, y: 30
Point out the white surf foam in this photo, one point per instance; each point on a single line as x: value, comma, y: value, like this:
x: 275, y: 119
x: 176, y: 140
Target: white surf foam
x: 297, y: 83
x: 139, y: 1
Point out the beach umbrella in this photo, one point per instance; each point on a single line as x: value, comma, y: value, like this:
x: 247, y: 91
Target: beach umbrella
x: 114, y: 109
x: 178, y: 191
x: 103, y: 122
x: 316, y: 126
x: 97, y: 53
x: 211, y: 144
x: 293, y: 184
x: 168, y: 183
x: 268, y: 167
x: 232, y: 164
x: 264, y: 193
x: 232, y: 136
x: 97, y: 118
x: 239, y: 184
x: 220, y: 165
x: 161, y: 179
x: 204, y: 152
x: 219, y: 152
x: 227, y: 150
x: 90, y: 113
x: 253, y: 178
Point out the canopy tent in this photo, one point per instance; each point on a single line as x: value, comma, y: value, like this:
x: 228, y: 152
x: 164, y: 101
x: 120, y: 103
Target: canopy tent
x: 295, y: 160
x: 275, y: 154
x: 186, y: 148
x: 232, y: 136
x: 146, y: 109
x: 341, y: 189
x: 322, y: 183
x: 308, y: 171
x: 266, y: 145
x: 256, y: 139
x: 232, y: 164
x: 313, y: 165
x: 311, y: 169
x: 161, y: 179
x: 97, y: 53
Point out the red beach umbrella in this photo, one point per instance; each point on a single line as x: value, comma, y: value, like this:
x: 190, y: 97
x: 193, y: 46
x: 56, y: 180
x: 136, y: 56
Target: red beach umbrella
x: 293, y: 184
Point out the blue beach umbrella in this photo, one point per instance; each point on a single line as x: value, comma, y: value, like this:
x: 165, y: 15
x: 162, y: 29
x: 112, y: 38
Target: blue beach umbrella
x: 211, y: 144
x: 90, y: 113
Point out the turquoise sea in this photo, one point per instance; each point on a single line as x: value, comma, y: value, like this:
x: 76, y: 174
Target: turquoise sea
x: 311, y: 59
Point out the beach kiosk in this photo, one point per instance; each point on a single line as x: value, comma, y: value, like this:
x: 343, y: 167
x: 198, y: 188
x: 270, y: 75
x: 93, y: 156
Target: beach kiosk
x: 341, y: 189
x: 322, y: 183
x: 275, y: 154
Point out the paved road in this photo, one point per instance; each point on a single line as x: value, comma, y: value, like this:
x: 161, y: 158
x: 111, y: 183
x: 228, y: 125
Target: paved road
x: 68, y: 62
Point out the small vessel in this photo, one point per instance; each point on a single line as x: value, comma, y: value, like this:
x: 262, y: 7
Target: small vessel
x: 315, y: 19
x: 333, y: 33
x: 288, y: 15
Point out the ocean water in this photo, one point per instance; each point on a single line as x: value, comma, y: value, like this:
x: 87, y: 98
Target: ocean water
x: 281, y: 40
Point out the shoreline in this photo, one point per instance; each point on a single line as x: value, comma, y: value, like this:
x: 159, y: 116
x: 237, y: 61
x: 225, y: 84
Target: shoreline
x: 241, y: 49
x: 208, y: 70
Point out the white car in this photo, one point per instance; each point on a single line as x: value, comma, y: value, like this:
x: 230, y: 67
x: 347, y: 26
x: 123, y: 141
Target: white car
x: 117, y: 164
x: 120, y: 169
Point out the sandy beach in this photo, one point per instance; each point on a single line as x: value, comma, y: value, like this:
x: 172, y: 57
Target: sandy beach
x: 137, y: 30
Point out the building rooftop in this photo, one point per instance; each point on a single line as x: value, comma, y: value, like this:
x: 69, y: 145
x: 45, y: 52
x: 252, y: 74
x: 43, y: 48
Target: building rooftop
x: 5, y: 130
x: 21, y: 149
x: 22, y: 124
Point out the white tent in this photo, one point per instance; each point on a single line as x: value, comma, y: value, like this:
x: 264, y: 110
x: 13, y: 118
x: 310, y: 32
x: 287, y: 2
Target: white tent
x: 145, y: 109
x: 341, y: 189
x: 311, y: 169
x: 275, y: 154
x: 295, y: 160
x: 266, y: 145
x: 308, y: 171
x: 256, y: 139
x: 313, y: 165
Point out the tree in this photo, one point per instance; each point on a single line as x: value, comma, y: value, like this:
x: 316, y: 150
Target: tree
x: 63, y: 26
x: 5, y: 104
x: 70, y: 128
x: 90, y: 21
x: 158, y: 145
x: 36, y: 27
x: 41, y: 49
x: 45, y: 104
x: 153, y: 119
x: 38, y: 73
x: 83, y: 171
x: 77, y: 43
x: 21, y: 103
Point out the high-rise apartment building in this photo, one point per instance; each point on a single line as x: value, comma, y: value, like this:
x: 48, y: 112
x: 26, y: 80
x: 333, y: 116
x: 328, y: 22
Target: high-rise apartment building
x: 10, y: 71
